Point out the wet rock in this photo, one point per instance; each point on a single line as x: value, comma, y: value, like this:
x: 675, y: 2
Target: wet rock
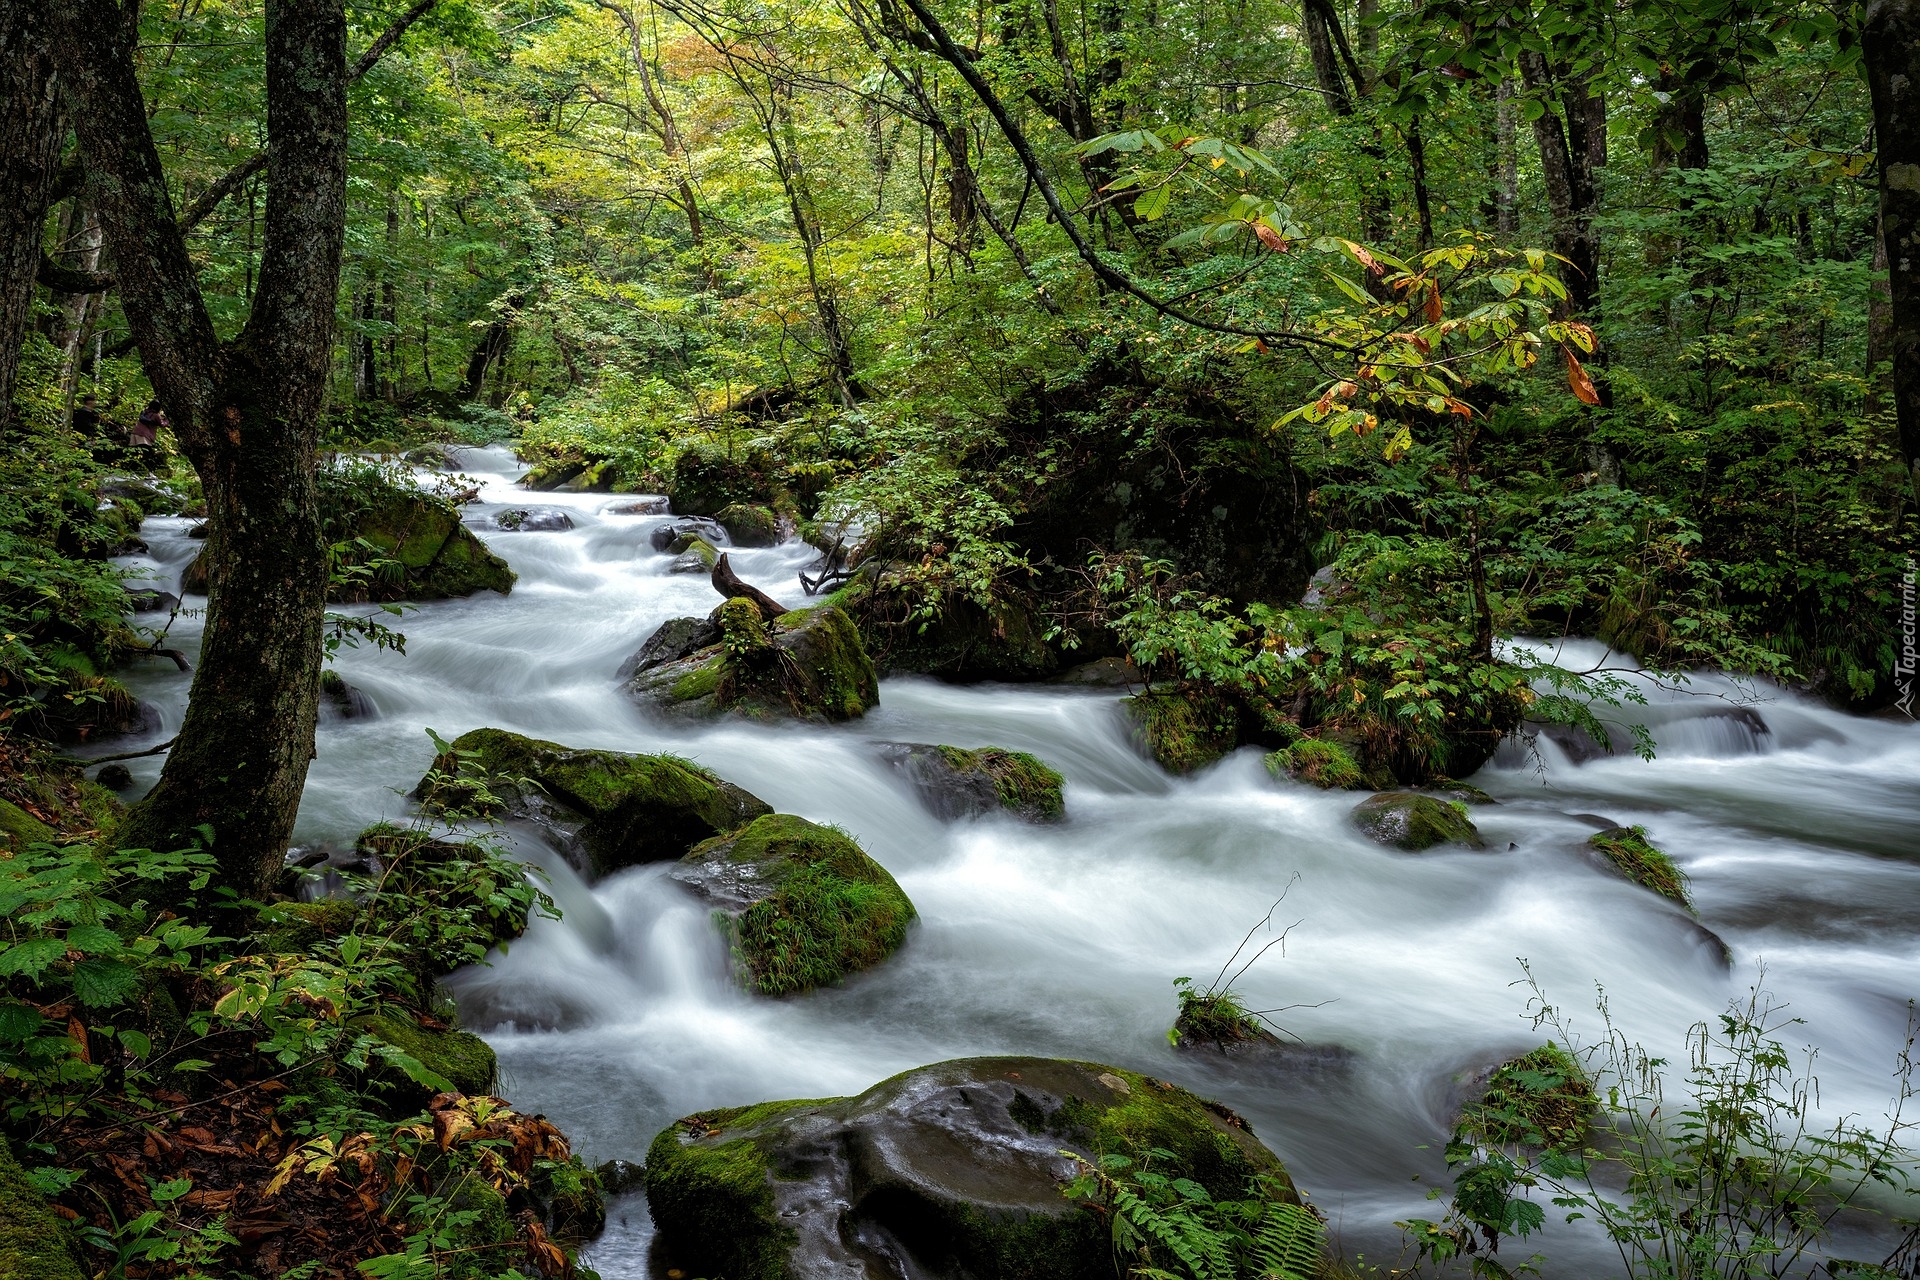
x: 618, y: 1177
x: 551, y: 475
x: 1627, y: 852
x: 1410, y: 821
x: 1539, y: 1099
x: 1103, y: 673
x: 680, y: 533
x: 649, y: 506
x: 700, y: 556
x: 198, y: 532
x: 949, y: 1171
x: 956, y: 783
x: 964, y: 641
x: 808, y: 665
x: 674, y: 639
x: 532, y: 520
x: 1183, y: 729
x: 611, y: 809
x: 805, y: 905
x: 749, y: 525
x: 439, y: 457
x: 115, y: 777
x: 151, y: 600
x: 340, y: 700
x: 461, y: 1060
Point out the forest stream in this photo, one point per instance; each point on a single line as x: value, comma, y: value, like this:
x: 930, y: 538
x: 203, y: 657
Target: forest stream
x: 1401, y: 976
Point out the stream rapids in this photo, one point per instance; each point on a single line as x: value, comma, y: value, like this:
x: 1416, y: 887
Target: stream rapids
x: 1798, y: 826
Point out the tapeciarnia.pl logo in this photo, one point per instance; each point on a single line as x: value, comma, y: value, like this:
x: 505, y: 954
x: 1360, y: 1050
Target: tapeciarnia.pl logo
x: 1904, y: 666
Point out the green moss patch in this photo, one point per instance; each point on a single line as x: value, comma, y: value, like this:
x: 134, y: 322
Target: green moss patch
x: 464, y: 1061
x: 1024, y: 783
x: 1184, y: 729
x: 1630, y: 853
x: 1540, y: 1099
x: 709, y: 1186
x: 33, y: 1238
x: 1324, y: 764
x: 635, y: 808
x: 1411, y: 822
x: 807, y: 905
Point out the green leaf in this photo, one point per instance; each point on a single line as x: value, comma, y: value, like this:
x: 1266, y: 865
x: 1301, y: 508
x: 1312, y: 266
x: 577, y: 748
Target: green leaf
x: 1151, y: 204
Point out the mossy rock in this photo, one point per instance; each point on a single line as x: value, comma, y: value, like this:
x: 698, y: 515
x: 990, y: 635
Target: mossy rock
x: 749, y: 525
x: 1628, y: 851
x: 959, y: 1163
x: 707, y: 481
x: 1325, y: 764
x: 1184, y: 729
x: 1539, y: 1099
x: 20, y: 828
x: 463, y: 1060
x: 34, y: 1244
x: 696, y: 556
x: 1410, y: 821
x: 955, y: 782
x: 813, y: 667
x: 629, y: 808
x: 435, y: 557
x: 479, y: 1249
x: 805, y: 905
x: 293, y: 928
x: 964, y: 640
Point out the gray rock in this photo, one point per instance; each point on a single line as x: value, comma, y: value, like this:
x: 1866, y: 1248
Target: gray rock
x: 672, y: 640
x: 151, y: 600
x: 653, y: 506
x: 114, y: 777
x: 532, y: 520
x: 677, y: 535
x: 1411, y: 822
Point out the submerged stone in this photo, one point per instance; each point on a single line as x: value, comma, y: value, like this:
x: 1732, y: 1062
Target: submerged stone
x: 949, y: 1171
x: 613, y: 808
x: 958, y: 783
x: 806, y: 906
x: 1410, y: 821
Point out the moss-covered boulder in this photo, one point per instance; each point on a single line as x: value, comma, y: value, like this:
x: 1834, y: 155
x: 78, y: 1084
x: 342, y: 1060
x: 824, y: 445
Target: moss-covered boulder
x: 463, y: 1061
x: 806, y: 665
x: 33, y: 1238
x: 1410, y: 821
x: 1324, y: 764
x: 54, y: 801
x: 1628, y: 851
x: 1540, y: 1099
x: 699, y: 557
x: 1183, y: 729
x: 706, y: 481
x: 749, y: 525
x: 962, y: 640
x: 614, y: 809
x: 805, y: 905
x: 427, y: 553
x: 957, y: 783
x: 295, y: 927
x: 958, y: 1165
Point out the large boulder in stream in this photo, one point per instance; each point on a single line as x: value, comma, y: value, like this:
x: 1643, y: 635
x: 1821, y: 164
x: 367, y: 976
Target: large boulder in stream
x: 1409, y: 821
x: 1183, y: 728
x: 808, y: 664
x: 949, y: 1171
x: 954, y: 782
x: 419, y: 548
x: 805, y: 905
x: 611, y: 809
x: 962, y: 640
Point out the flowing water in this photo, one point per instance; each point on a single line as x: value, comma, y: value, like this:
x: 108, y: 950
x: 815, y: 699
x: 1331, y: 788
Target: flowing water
x: 1799, y: 826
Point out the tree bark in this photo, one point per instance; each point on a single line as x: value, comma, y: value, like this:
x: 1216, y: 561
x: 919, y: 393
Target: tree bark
x: 247, y: 413
x: 1506, y: 160
x: 1891, y: 46
x: 30, y: 143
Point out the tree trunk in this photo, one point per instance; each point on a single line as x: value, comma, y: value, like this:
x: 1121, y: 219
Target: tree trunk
x: 246, y: 411
x: 1506, y: 161
x: 80, y: 251
x: 30, y: 143
x: 1891, y: 45
x: 366, y: 376
x: 1879, y: 322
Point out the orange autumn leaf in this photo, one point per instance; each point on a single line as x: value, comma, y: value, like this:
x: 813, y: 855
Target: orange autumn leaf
x: 1433, y: 304
x: 1583, y: 388
x: 1270, y: 238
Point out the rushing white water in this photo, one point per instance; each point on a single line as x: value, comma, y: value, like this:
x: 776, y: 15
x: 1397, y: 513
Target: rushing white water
x: 1798, y: 826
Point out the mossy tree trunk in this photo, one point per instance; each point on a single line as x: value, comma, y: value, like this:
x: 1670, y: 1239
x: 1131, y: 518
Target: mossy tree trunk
x: 30, y: 144
x: 247, y: 412
x: 1891, y: 46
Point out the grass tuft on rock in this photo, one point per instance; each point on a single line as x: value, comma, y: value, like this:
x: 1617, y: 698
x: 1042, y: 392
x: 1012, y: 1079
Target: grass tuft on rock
x: 1327, y: 765
x: 1639, y: 860
x: 1184, y: 729
x: 1025, y: 783
x: 1540, y: 1099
